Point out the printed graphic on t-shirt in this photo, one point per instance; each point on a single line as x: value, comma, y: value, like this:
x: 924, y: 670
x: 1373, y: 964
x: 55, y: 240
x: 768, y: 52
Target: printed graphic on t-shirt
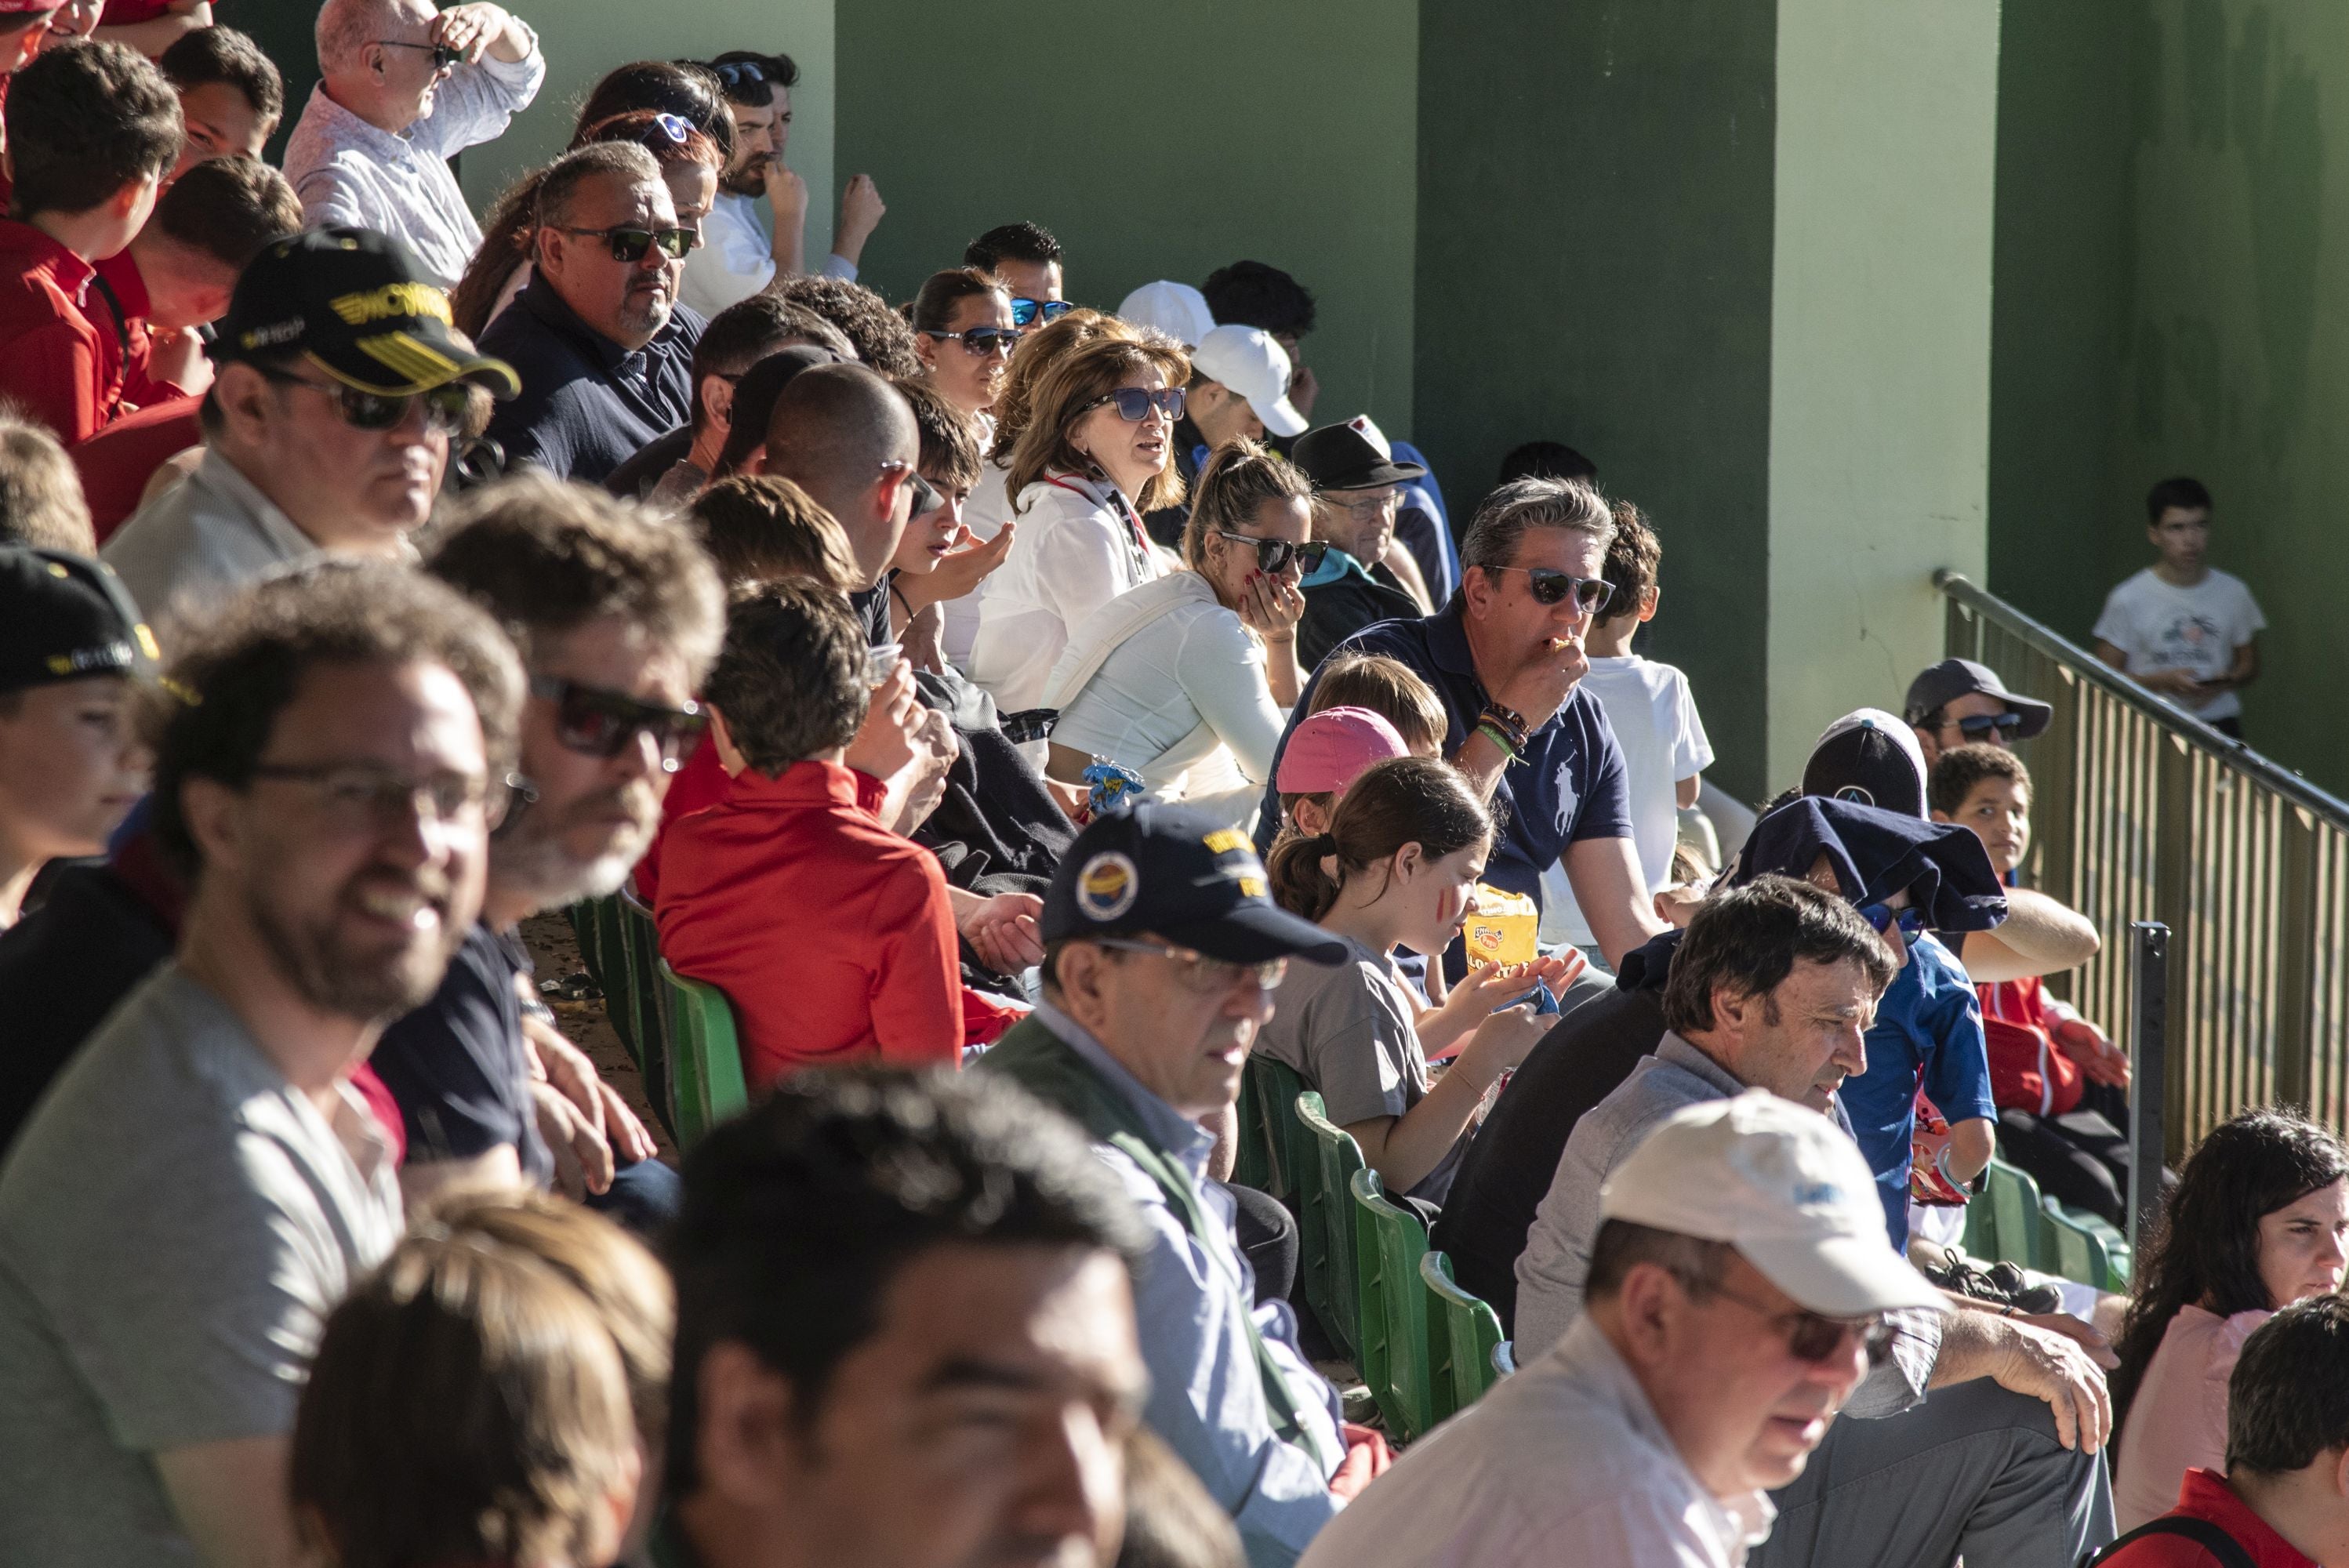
x: 1568, y: 800
x: 2190, y: 642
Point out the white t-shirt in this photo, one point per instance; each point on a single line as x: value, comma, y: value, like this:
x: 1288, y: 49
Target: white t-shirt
x: 2161, y: 626
x: 1655, y: 722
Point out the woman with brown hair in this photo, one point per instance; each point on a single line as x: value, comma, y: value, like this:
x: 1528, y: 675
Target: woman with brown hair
x: 1097, y: 453
x: 963, y: 330
x: 1186, y: 680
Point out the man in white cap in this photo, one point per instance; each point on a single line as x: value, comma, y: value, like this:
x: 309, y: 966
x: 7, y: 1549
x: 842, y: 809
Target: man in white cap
x: 1239, y: 388
x: 1737, y: 1294
x: 1179, y: 310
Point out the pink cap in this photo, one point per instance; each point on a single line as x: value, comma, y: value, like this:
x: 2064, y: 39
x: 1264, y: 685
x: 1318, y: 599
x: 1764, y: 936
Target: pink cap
x: 1328, y: 751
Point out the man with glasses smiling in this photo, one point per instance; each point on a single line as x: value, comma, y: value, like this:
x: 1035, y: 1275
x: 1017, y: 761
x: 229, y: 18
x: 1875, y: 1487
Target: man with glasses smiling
x: 1162, y: 956
x: 340, y: 385
x: 403, y: 87
x: 603, y: 346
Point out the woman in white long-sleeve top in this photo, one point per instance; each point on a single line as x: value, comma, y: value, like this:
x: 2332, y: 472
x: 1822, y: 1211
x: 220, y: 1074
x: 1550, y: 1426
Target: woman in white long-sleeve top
x: 1096, y: 454
x: 1187, y: 680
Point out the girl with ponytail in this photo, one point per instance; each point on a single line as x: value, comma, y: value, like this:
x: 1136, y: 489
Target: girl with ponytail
x: 1398, y: 868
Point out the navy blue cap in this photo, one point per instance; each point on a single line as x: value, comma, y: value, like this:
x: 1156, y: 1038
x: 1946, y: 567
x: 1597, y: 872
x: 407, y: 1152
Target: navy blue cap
x: 1875, y: 853
x: 65, y: 616
x: 1182, y: 875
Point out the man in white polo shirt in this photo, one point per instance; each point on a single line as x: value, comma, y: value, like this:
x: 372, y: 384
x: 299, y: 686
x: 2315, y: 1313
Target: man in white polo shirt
x: 1736, y: 1298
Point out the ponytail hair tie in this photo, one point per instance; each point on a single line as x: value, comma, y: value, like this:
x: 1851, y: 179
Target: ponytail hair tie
x: 1325, y: 843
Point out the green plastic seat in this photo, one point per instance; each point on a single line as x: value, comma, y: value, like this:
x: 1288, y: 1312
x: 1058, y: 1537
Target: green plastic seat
x: 1463, y: 1333
x: 639, y: 1006
x: 2083, y: 1247
x: 708, y: 1085
x: 1252, y: 1150
x: 590, y: 937
x: 1389, y: 1243
x: 1288, y: 1149
x: 2013, y: 1217
x: 1505, y: 1358
x: 1325, y: 1223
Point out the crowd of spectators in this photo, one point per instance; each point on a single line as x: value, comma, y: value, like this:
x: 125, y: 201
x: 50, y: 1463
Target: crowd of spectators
x: 1021, y: 713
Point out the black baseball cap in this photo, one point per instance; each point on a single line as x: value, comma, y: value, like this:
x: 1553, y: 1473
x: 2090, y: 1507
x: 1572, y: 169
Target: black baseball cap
x: 1180, y: 874
x: 1944, y: 683
x: 1870, y: 758
x: 63, y: 617
x: 1351, y: 456
x: 359, y: 306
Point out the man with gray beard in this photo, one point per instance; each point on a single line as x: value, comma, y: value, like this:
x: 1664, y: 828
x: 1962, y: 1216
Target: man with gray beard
x: 617, y: 618
x: 201, y: 1183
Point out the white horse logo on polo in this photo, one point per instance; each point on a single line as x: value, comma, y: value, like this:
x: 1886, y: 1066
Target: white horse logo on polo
x: 1568, y: 799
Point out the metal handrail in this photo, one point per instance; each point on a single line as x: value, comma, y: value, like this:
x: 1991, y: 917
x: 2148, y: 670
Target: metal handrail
x: 2087, y: 667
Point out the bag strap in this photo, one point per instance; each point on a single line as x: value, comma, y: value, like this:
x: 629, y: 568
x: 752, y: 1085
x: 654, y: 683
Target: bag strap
x: 2230, y: 1552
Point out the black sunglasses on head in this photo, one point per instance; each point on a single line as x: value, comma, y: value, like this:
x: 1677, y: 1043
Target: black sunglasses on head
x: 1548, y: 587
x: 1027, y: 312
x: 445, y: 406
x: 1275, y: 554
x: 594, y: 722
x: 1134, y: 403
x: 444, y: 59
x: 2007, y: 725
x: 629, y: 244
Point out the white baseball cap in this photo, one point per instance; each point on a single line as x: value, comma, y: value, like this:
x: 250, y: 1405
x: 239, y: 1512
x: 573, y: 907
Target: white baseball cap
x: 1248, y: 360
x: 1179, y: 310
x: 1784, y: 1185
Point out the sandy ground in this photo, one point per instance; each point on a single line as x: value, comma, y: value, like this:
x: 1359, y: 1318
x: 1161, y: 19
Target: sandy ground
x: 556, y: 955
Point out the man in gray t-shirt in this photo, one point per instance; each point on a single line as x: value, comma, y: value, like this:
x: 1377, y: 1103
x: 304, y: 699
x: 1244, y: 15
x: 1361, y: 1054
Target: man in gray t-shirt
x: 201, y: 1183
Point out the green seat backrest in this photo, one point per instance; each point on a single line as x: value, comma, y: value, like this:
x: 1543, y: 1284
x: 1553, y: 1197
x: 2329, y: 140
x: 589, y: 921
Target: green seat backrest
x: 1288, y: 1148
x: 706, y: 1059
x: 1252, y: 1151
x: 2083, y: 1247
x: 1463, y: 1333
x: 643, y: 999
x: 1389, y: 1243
x: 1505, y: 1358
x: 1325, y: 1223
x: 584, y: 929
x: 2015, y: 1216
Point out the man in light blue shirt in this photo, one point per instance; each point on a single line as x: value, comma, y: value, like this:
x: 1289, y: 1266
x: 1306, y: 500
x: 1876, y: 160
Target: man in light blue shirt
x: 1161, y: 951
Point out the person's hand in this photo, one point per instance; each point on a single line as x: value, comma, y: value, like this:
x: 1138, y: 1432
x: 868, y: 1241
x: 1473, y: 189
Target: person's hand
x: 1502, y: 1040
x: 1270, y: 606
x: 1073, y: 800
x: 2052, y: 1368
x: 788, y: 193
x: 471, y: 28
x: 1005, y: 931
x: 959, y: 569
x: 884, y: 744
x: 573, y: 1075
x: 2101, y: 1060
x: 2172, y: 683
x: 1677, y: 905
x: 1304, y: 388
x: 179, y: 358
x: 1367, y: 1459
x: 2079, y: 1331
x: 1540, y: 685
x: 861, y: 211
x: 583, y: 1157
x: 923, y: 785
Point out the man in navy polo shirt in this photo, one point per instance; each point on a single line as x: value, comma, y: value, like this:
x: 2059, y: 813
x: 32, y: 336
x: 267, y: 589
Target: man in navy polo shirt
x: 1504, y: 656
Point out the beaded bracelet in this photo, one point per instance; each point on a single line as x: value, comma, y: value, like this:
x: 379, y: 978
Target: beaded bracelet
x: 1492, y: 732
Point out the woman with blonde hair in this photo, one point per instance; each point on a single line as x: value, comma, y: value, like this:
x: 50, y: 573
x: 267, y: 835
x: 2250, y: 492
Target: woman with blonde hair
x: 1098, y: 452
x: 1187, y: 680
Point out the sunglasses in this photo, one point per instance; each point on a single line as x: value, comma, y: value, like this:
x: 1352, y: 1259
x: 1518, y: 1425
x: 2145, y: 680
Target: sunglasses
x: 982, y: 339
x: 1275, y: 554
x: 736, y: 73
x: 362, y: 795
x: 1134, y: 403
x: 1815, y: 1338
x: 1911, y: 921
x: 445, y: 406
x: 663, y: 130
x: 1198, y: 972
x: 1028, y: 312
x: 594, y: 722
x: 630, y: 244
x: 2007, y: 726
x: 1550, y: 586
x: 444, y: 59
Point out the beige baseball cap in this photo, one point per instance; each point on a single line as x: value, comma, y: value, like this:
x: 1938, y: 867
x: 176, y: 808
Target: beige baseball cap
x: 1785, y: 1186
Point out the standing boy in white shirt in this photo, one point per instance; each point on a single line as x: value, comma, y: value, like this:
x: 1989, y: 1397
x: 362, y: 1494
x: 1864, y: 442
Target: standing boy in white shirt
x: 1654, y: 717
x: 2181, y: 627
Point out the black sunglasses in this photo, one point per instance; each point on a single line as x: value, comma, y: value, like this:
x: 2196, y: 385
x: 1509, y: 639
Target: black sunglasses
x: 594, y: 722
x: 630, y: 244
x: 1814, y: 1337
x: 927, y: 498
x: 1027, y: 312
x: 2007, y: 725
x: 445, y: 406
x: 1549, y: 585
x: 1134, y: 403
x: 1911, y: 921
x: 981, y: 339
x: 444, y: 59
x: 1275, y: 554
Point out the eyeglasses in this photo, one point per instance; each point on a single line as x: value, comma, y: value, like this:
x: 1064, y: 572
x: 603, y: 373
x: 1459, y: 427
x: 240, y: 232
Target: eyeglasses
x: 444, y: 59
x: 445, y: 406
x: 1550, y: 585
x: 1275, y: 554
x: 1134, y: 403
x: 630, y: 244
x: 927, y: 497
x: 1814, y: 1337
x: 365, y: 795
x: 1198, y: 972
x: 1883, y: 917
x: 1364, y: 505
x: 2007, y: 726
x: 1028, y: 312
x: 596, y: 722
x: 982, y: 339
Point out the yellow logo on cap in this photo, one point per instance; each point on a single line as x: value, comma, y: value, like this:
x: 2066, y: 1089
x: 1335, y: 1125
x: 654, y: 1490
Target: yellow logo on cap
x: 1107, y: 886
x: 147, y: 642
x: 392, y: 299
x: 1224, y: 841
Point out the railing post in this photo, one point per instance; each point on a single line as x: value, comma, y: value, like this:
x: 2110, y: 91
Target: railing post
x: 2174, y: 879
x: 2149, y: 1081
x: 2295, y: 937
